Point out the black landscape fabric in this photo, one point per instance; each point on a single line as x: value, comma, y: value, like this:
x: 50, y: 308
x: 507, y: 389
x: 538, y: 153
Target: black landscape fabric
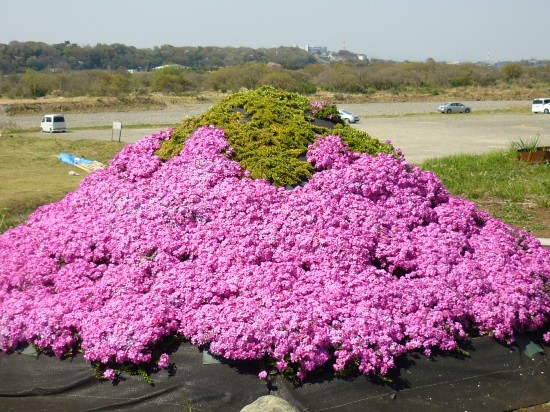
x: 494, y: 377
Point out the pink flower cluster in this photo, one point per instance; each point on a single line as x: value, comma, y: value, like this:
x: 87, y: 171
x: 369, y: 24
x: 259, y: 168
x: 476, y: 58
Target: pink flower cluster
x: 324, y: 110
x: 372, y: 258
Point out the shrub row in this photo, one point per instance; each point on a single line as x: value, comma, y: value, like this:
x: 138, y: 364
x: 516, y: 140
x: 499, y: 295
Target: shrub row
x: 343, y: 77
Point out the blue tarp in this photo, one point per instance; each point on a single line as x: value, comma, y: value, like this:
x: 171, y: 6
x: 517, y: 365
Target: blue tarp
x: 73, y: 160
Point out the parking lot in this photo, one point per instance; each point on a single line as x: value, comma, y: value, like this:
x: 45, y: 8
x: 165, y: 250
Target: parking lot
x: 416, y: 128
x: 427, y: 136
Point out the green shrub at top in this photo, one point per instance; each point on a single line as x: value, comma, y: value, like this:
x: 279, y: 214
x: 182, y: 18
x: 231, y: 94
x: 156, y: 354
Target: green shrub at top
x: 269, y: 130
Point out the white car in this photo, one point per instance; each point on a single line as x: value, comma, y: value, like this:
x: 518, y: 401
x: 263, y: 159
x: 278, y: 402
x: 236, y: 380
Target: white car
x: 347, y: 116
x: 53, y: 123
x: 541, y: 105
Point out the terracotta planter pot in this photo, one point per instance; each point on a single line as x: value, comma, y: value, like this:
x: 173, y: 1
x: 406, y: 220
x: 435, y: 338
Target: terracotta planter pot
x: 541, y: 155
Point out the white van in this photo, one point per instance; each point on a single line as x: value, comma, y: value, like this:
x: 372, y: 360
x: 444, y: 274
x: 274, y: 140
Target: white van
x: 541, y: 105
x: 53, y: 123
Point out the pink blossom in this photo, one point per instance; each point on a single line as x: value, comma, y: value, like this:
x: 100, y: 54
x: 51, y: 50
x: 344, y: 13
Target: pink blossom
x: 109, y: 374
x: 370, y: 259
x: 164, y: 361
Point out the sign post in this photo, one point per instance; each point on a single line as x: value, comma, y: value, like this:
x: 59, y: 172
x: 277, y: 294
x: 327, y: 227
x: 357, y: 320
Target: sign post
x: 117, y: 126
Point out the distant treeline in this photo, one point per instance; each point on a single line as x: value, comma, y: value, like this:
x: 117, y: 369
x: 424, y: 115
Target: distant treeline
x: 17, y: 57
x: 35, y: 69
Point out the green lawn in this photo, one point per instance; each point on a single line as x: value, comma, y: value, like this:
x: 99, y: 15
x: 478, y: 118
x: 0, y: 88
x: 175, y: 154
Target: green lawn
x: 517, y: 192
x: 31, y: 174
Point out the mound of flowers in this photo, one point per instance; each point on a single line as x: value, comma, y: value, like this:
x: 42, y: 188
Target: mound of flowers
x: 370, y: 259
x: 270, y: 131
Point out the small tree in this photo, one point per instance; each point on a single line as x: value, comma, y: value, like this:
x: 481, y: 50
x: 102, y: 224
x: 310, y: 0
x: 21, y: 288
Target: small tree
x: 170, y: 80
x: 120, y: 84
x: 282, y: 79
x: 511, y: 71
x: 250, y: 74
x: 35, y: 83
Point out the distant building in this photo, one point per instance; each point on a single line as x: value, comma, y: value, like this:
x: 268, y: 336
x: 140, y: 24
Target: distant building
x: 274, y: 65
x: 323, y: 53
x: 177, y: 66
x: 321, y: 50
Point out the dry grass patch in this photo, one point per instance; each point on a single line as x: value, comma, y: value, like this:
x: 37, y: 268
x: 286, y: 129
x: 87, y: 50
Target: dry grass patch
x: 156, y: 101
x: 81, y: 105
x: 473, y: 93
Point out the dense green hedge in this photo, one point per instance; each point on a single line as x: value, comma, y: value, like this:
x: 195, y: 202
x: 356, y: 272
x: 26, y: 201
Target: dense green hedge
x: 269, y: 130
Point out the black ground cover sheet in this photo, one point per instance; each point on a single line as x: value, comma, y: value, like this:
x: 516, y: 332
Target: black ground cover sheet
x: 494, y: 377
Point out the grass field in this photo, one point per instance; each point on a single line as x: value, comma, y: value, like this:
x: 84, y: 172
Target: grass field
x: 31, y: 175
x: 514, y: 191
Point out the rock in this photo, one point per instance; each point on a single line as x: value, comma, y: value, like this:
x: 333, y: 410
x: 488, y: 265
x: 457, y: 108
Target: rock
x: 269, y: 403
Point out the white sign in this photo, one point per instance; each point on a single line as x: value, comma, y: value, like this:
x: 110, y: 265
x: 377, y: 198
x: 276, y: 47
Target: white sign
x: 116, y: 126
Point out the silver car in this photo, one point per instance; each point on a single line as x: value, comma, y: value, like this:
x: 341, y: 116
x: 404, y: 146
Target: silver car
x: 347, y: 116
x: 454, y: 108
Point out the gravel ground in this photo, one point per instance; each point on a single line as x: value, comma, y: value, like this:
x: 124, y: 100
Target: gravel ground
x: 397, y: 109
x: 170, y: 115
x: 174, y: 114
x: 422, y: 137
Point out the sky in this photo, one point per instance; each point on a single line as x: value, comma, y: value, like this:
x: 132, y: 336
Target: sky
x: 400, y: 30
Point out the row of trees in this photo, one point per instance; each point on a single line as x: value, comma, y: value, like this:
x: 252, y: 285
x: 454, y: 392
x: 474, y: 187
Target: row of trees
x: 17, y: 57
x: 347, y: 77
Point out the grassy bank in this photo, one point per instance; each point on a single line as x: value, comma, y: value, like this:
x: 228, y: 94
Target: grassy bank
x: 514, y: 191
x: 31, y: 175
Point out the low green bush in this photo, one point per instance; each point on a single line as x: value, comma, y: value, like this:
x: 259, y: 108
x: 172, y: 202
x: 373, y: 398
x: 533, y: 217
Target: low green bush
x: 270, y: 130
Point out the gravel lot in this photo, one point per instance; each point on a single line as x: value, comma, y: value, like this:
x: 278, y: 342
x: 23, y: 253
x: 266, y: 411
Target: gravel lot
x: 171, y: 115
x: 422, y: 137
x: 416, y: 128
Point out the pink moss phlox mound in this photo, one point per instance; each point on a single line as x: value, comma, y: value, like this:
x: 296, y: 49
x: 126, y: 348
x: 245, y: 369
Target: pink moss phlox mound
x: 370, y: 259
